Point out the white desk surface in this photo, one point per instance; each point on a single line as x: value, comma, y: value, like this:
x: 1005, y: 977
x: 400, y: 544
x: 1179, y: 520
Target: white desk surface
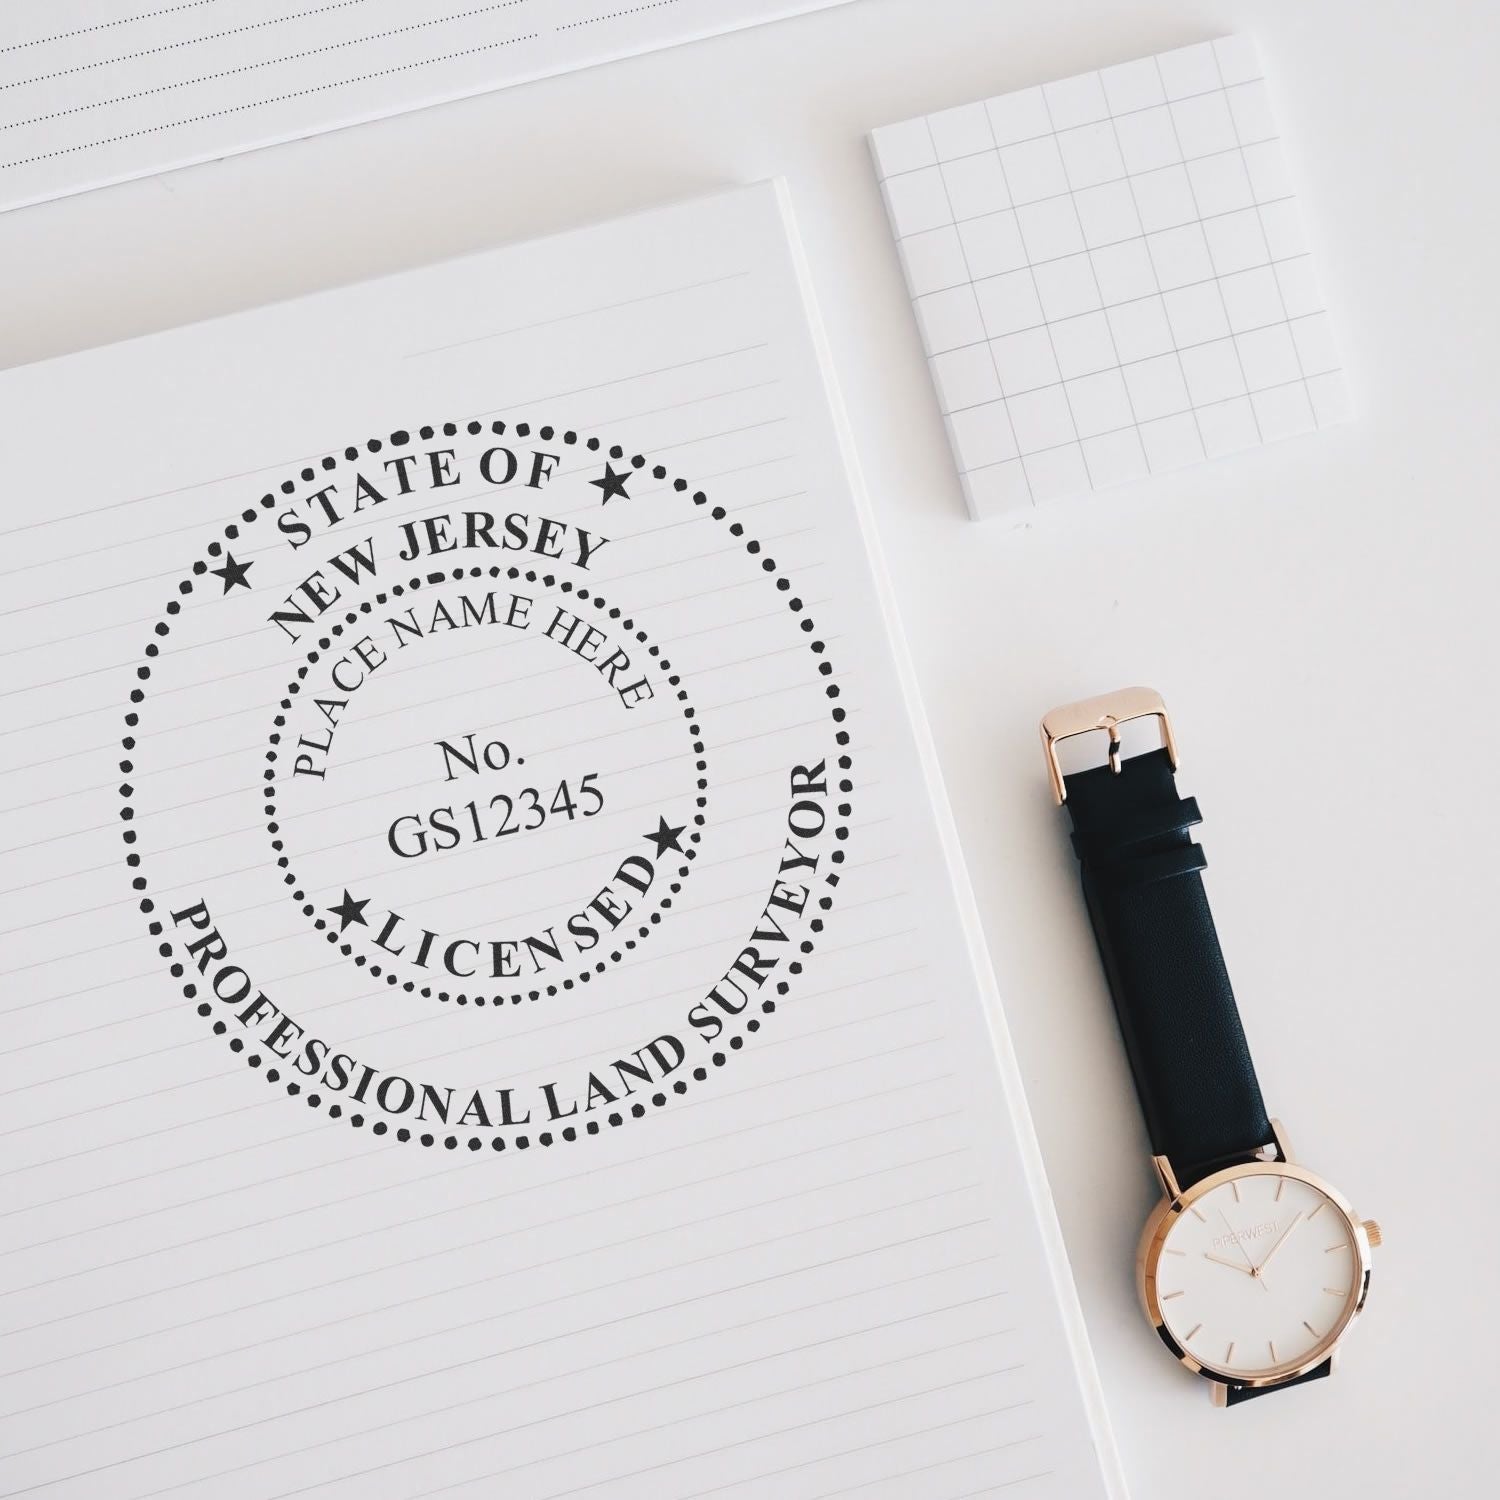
x: 1322, y: 615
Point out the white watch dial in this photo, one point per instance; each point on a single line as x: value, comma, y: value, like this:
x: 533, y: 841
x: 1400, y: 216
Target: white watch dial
x: 1258, y: 1275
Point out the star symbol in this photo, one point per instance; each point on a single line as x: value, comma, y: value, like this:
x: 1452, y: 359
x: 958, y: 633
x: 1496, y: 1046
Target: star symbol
x: 349, y: 910
x: 612, y: 485
x: 233, y: 572
x: 665, y: 837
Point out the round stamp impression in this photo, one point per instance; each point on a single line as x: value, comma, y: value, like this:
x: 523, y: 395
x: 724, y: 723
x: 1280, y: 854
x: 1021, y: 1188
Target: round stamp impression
x: 490, y: 665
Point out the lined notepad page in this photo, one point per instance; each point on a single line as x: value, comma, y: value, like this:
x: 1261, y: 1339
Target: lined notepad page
x: 96, y: 91
x: 829, y: 1267
x: 1110, y: 275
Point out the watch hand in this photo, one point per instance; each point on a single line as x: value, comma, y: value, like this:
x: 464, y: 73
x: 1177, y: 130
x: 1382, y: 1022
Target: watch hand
x: 1233, y: 1265
x: 1250, y: 1266
x: 1285, y: 1233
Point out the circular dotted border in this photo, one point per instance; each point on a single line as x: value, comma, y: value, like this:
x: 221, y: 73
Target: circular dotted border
x: 334, y: 1109
x: 373, y: 966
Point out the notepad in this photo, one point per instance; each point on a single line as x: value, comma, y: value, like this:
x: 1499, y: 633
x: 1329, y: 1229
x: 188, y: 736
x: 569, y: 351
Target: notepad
x: 1110, y: 276
x: 492, y: 1002
x: 98, y: 91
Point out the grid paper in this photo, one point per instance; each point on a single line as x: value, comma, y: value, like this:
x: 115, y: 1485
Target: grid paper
x: 1110, y: 275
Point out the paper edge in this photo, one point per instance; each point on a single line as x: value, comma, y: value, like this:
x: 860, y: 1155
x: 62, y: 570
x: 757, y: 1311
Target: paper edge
x: 1043, y: 1207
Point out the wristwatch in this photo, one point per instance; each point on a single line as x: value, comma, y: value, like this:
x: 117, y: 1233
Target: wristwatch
x: 1251, y: 1268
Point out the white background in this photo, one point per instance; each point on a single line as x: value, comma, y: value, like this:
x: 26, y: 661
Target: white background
x: 1321, y: 615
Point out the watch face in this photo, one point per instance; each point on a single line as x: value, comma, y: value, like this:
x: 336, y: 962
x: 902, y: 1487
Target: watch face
x: 1258, y: 1274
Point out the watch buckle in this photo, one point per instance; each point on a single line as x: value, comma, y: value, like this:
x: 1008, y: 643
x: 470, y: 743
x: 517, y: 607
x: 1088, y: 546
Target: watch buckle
x: 1107, y: 713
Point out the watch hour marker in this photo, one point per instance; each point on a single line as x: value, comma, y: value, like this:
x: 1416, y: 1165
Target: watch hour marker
x: 1169, y: 1251
x: 1236, y: 1188
x: 1281, y: 1188
x: 1308, y: 1326
x: 1191, y: 1331
x: 1170, y: 1295
x: 1200, y: 1214
x: 1314, y: 1214
x: 1342, y: 1245
x: 1337, y: 1291
x: 1271, y: 1345
x: 1229, y: 1352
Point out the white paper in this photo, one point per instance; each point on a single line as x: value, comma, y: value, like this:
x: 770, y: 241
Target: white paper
x: 1110, y: 276
x: 827, y: 1265
x: 97, y: 91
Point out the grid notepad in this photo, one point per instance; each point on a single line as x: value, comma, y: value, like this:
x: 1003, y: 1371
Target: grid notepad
x: 1110, y: 275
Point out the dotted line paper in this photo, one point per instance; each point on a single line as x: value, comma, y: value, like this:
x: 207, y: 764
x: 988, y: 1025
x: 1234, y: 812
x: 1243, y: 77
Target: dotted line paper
x: 100, y: 91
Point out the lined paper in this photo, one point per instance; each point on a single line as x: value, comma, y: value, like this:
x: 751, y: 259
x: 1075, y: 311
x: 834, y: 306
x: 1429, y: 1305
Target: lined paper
x: 1110, y: 275
x: 97, y: 91
x: 828, y: 1265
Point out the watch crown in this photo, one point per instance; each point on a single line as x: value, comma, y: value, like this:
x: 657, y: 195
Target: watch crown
x: 1372, y: 1232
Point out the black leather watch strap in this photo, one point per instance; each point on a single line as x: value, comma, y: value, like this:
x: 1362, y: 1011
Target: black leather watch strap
x: 1234, y: 1394
x: 1156, y: 935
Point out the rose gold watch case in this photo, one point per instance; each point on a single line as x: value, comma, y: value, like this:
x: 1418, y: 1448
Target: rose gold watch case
x: 1165, y: 1215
